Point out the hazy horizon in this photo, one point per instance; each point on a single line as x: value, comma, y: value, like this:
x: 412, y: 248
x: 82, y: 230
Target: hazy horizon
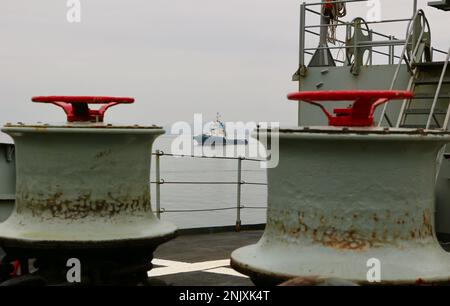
x: 176, y: 57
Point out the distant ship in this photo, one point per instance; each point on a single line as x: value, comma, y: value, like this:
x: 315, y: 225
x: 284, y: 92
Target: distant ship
x: 217, y: 135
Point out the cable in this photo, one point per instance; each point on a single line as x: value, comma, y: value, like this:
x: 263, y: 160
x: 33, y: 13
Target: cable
x: 333, y: 11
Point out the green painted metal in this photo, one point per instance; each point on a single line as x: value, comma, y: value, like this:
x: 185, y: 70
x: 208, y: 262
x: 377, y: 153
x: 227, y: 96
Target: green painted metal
x: 7, y: 180
x: 342, y: 196
x: 418, y: 74
x: 376, y: 77
x: 84, y: 185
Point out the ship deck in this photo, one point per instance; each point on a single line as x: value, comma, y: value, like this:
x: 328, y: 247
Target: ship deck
x: 203, y: 259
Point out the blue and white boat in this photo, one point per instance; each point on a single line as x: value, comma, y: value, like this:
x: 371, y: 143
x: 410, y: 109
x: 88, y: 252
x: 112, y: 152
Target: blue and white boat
x: 217, y: 135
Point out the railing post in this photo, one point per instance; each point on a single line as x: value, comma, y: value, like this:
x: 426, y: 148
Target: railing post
x: 302, y: 38
x: 257, y: 132
x: 371, y: 49
x: 158, y: 184
x: 238, y: 201
x: 391, y: 52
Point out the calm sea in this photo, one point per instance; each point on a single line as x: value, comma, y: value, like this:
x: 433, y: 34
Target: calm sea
x: 195, y: 197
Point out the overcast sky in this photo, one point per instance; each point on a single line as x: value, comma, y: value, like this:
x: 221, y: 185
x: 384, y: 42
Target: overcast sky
x: 176, y: 57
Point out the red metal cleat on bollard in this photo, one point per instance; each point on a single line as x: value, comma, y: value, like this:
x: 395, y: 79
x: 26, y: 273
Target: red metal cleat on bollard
x: 77, y: 109
x: 363, y: 108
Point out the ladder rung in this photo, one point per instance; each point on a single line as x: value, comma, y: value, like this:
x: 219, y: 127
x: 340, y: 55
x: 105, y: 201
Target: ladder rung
x: 431, y: 96
x: 431, y: 81
x: 424, y: 111
x: 430, y: 64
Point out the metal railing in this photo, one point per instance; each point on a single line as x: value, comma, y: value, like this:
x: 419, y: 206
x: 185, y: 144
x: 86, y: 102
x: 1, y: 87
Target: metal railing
x: 385, y: 40
x: 354, y: 46
x: 389, y: 41
x: 239, y: 183
x: 410, y: 61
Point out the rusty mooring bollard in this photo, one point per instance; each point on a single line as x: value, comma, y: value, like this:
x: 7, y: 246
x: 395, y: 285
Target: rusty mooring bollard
x: 83, y: 192
x: 350, y: 195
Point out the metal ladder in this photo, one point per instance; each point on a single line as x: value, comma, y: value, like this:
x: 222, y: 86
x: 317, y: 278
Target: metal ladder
x: 436, y: 118
x: 416, y: 39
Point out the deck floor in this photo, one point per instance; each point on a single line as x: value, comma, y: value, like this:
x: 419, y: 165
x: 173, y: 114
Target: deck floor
x: 201, y: 260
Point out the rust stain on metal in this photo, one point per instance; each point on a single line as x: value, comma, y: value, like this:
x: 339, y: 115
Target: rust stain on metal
x: 375, y: 217
x: 83, y: 205
x: 427, y: 220
x: 335, y: 235
x: 412, y: 132
x: 302, y: 225
x: 103, y: 154
x: 87, y: 125
x: 322, y: 220
x: 346, y: 240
